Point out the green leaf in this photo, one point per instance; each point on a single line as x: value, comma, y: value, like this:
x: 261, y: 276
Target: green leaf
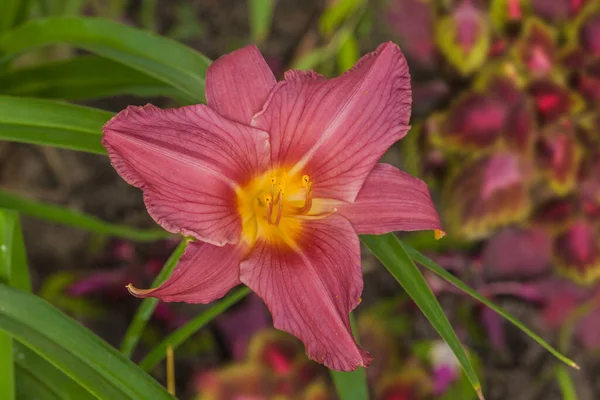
x: 33, y: 369
x: 466, y: 62
x: 260, y: 14
x: 76, y: 219
x: 565, y: 383
x: 351, y: 385
x: 35, y: 378
x: 348, y: 54
x: 432, y: 266
x: 176, y: 338
x: 82, y: 78
x: 164, y: 59
x: 29, y: 386
x: 336, y: 13
x: 73, y: 349
x: 144, y: 312
x: 389, y: 250
x: 12, y: 13
x: 50, y: 123
x: 8, y: 222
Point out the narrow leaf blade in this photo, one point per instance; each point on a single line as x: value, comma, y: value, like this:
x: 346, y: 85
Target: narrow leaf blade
x: 145, y: 310
x: 388, y: 249
x: 68, y: 217
x: 351, y: 385
x: 164, y: 59
x: 82, y: 78
x: 73, y: 349
x: 176, y: 338
x: 51, y: 123
x: 432, y: 266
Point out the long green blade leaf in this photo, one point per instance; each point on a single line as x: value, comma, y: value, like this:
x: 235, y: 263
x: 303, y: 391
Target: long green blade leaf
x: 51, y: 123
x: 351, y: 385
x: 432, y: 266
x: 76, y: 351
x: 12, y: 13
x: 182, y: 334
x: 30, y: 364
x: 82, y: 78
x: 65, y: 216
x: 144, y: 312
x: 35, y: 378
x: 29, y: 386
x: 164, y: 59
x: 8, y: 222
x: 260, y: 13
x: 565, y: 383
x: 388, y: 249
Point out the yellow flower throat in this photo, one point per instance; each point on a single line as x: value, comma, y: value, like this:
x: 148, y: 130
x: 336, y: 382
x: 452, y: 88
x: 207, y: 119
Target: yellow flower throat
x: 271, y: 207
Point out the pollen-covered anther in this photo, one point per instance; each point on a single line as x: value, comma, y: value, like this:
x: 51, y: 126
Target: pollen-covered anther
x: 307, y: 184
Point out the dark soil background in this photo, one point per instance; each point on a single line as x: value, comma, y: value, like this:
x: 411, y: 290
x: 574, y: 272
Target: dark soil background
x: 88, y: 183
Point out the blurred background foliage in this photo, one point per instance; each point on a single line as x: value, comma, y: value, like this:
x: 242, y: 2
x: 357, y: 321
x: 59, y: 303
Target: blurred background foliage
x: 506, y: 124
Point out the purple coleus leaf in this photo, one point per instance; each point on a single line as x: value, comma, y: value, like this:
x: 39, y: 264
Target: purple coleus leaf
x: 559, y: 155
x: 577, y: 252
x: 517, y: 253
x: 557, y: 10
x: 274, y: 180
x: 589, y: 33
x: 464, y: 37
x: 536, y: 48
x: 491, y: 192
x: 479, y: 119
x: 412, y: 21
x: 552, y: 100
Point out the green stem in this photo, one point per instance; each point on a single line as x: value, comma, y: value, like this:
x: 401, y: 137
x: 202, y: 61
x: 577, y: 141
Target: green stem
x: 144, y: 312
x: 176, y: 338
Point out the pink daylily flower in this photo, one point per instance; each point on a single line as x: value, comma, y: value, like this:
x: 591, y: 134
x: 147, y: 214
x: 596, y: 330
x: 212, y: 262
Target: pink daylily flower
x: 274, y: 180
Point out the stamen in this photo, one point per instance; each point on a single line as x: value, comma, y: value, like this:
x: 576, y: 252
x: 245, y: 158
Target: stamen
x: 307, y: 183
x: 279, y: 210
x: 269, y: 200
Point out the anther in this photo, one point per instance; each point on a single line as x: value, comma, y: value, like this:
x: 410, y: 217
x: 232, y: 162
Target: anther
x: 305, y: 180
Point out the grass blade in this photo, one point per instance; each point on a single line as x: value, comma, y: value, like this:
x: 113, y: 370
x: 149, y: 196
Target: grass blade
x: 73, y: 349
x: 432, y: 266
x: 145, y: 310
x: 65, y: 216
x: 8, y: 222
x: 388, y: 249
x: 12, y: 13
x: 82, y: 78
x: 351, y: 385
x: 565, y: 383
x: 164, y: 59
x: 182, y: 334
x: 29, y: 365
x: 51, y: 123
x: 260, y: 14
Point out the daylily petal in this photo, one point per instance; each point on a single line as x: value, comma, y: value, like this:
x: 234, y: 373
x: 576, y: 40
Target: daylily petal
x: 335, y: 130
x: 238, y: 84
x: 188, y: 162
x: 311, y: 289
x: 391, y: 200
x: 204, y: 273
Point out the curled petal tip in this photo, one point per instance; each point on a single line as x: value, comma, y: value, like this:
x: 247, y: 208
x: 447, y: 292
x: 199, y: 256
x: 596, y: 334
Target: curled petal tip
x: 438, y: 234
x: 138, y: 292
